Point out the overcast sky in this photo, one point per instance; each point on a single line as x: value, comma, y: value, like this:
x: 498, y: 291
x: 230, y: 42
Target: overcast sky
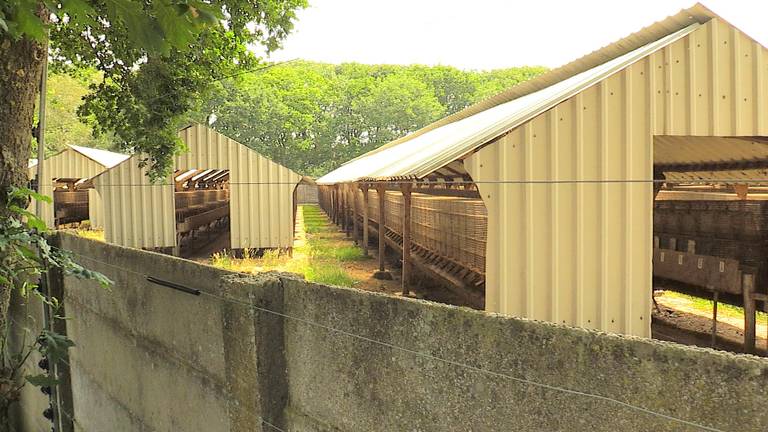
x: 485, y: 34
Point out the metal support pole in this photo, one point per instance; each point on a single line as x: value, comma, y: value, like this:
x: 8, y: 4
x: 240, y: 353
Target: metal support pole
x: 41, y: 134
x: 406, y: 190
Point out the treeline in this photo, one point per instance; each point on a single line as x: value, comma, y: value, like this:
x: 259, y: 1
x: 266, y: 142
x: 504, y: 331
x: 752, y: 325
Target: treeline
x: 313, y: 117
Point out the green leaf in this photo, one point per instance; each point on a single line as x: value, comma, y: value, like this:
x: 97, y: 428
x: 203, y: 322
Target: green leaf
x: 27, y: 22
x: 25, y: 193
x: 142, y: 29
x: 178, y: 30
x: 42, y: 380
x: 77, y: 8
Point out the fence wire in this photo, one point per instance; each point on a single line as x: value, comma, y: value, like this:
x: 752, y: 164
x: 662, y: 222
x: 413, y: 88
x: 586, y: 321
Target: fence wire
x: 428, y: 356
x: 417, y: 182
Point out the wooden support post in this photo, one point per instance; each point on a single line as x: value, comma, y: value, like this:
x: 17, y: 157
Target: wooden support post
x: 337, y: 211
x: 406, y: 188
x: 332, y: 202
x: 347, y: 212
x: 741, y: 190
x: 382, y: 226
x: 748, y: 288
x: 364, y: 188
x: 715, y: 295
x: 657, y: 185
x: 355, y: 222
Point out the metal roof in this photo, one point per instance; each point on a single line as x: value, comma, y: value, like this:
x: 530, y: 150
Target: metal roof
x: 422, y: 153
x: 103, y: 157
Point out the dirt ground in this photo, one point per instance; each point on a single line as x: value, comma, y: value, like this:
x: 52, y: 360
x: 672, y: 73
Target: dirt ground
x: 361, y: 271
x: 680, y: 320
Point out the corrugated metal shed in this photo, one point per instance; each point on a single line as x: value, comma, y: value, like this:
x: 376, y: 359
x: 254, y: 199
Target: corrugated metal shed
x: 141, y: 214
x: 563, y: 164
x: 579, y: 252
x: 432, y: 150
x: 74, y: 162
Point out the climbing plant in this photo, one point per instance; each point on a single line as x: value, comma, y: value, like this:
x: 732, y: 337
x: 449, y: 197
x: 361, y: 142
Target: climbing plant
x: 26, y: 257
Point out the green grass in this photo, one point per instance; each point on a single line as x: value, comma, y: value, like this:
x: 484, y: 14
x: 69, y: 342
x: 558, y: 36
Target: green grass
x: 723, y: 309
x: 90, y: 234
x: 349, y: 253
x: 320, y: 259
x: 327, y: 273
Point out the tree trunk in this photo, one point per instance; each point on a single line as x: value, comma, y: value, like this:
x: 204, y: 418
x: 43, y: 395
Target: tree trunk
x: 21, y: 64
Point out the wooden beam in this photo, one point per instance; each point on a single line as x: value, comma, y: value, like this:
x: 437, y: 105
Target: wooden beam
x: 657, y: 175
x: 382, y: 226
x: 347, y: 210
x: 713, y: 166
x: 748, y: 288
x: 715, y: 294
x: 364, y: 188
x: 355, y: 222
x: 463, y: 193
x: 437, y: 191
x: 406, y: 189
x: 741, y: 190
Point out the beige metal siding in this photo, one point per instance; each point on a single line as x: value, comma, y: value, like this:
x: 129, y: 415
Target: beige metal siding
x: 136, y: 212
x: 261, y: 196
x: 580, y: 253
x: 66, y: 164
x: 95, y: 209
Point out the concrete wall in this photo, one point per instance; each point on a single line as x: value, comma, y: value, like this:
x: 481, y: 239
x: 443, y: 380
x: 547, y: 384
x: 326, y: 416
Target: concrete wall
x: 27, y: 318
x: 153, y: 358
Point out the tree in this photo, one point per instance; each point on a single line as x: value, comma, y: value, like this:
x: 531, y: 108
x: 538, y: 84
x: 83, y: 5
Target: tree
x: 155, y: 57
x: 65, y: 92
x: 398, y: 105
x: 313, y: 117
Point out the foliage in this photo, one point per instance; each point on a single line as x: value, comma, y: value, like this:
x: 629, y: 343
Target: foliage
x: 156, y: 57
x: 705, y: 305
x: 65, y: 92
x: 313, y: 117
x: 25, y: 256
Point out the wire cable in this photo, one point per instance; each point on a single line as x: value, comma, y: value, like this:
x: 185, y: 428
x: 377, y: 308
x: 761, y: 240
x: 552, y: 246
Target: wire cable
x: 417, y: 182
x: 442, y: 360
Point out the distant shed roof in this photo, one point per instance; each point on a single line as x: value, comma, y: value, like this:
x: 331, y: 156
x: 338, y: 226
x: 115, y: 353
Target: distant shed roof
x: 442, y: 142
x: 105, y: 158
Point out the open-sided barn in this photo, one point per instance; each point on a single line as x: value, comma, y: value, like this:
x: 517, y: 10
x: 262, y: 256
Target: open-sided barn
x: 67, y: 178
x: 566, y: 163
x: 217, y: 179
